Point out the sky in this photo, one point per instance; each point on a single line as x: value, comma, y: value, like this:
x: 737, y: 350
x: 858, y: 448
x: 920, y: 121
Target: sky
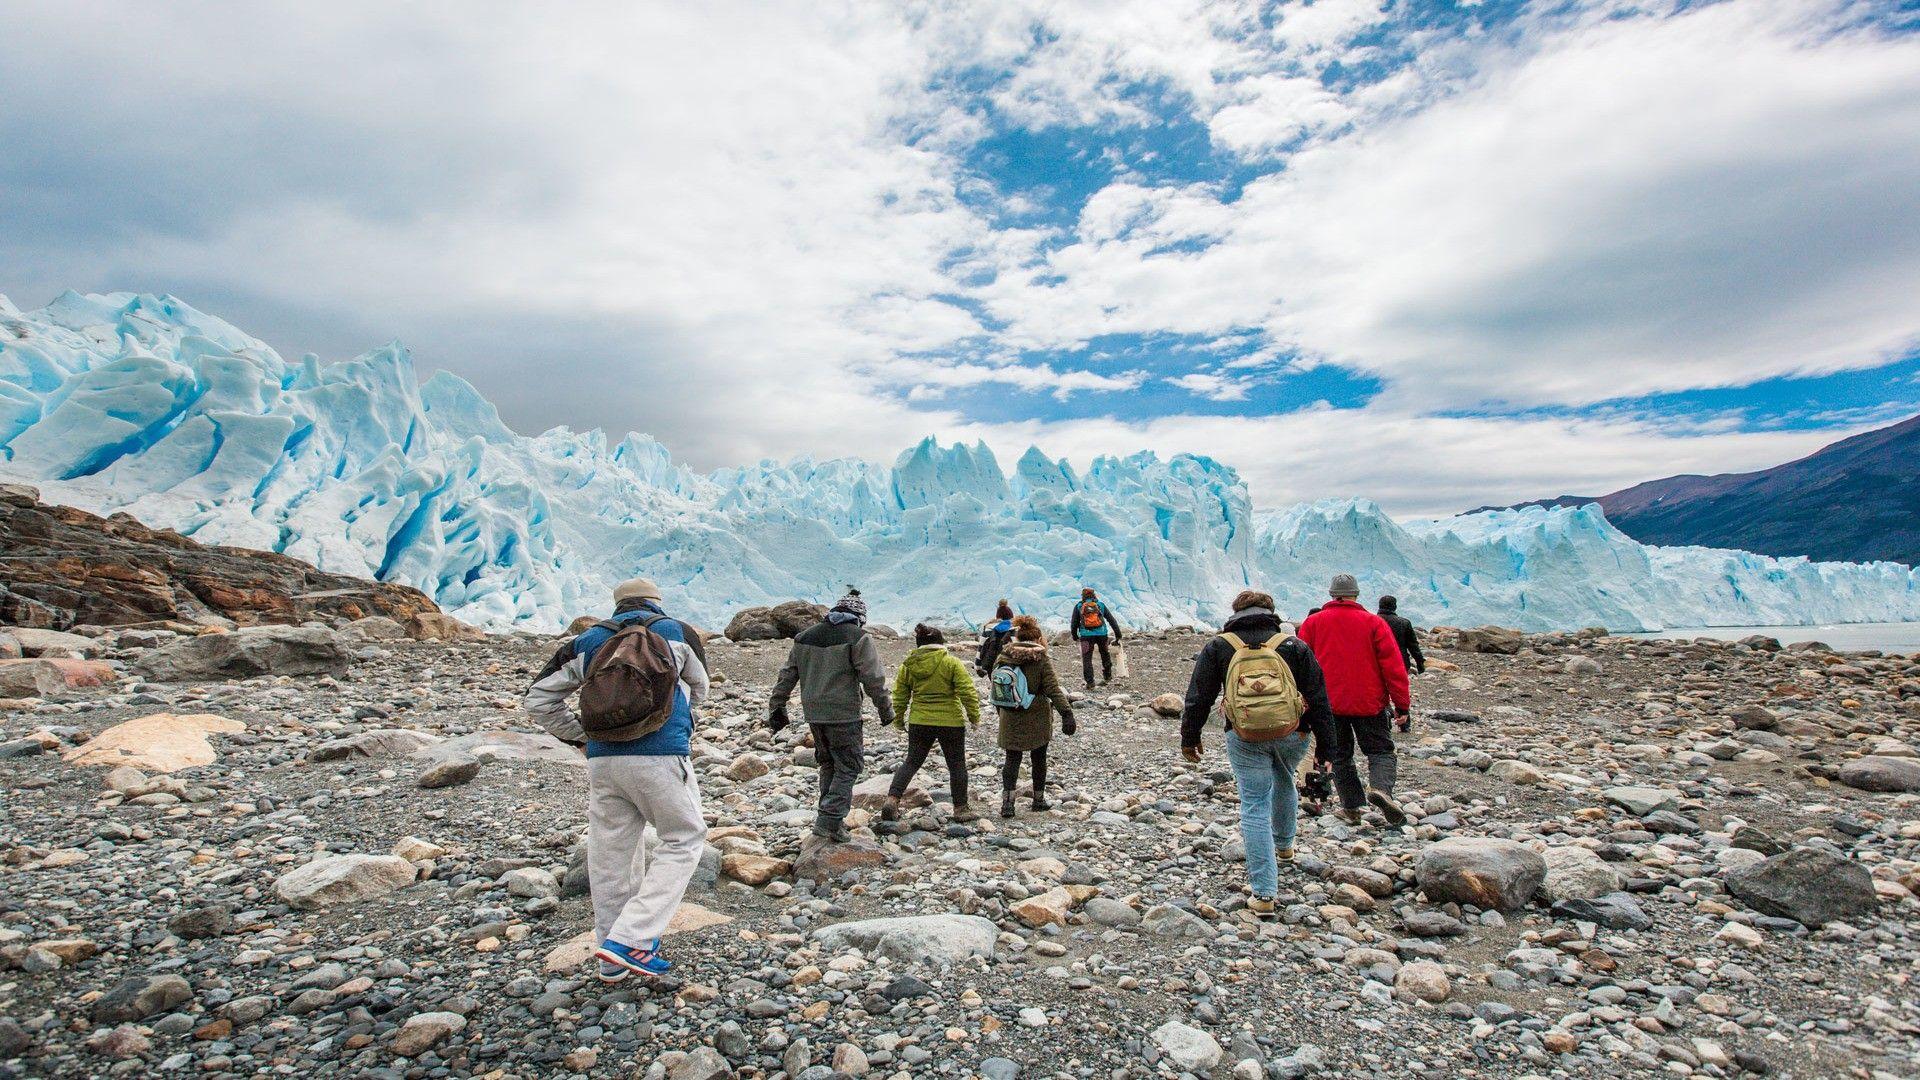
x: 1437, y: 254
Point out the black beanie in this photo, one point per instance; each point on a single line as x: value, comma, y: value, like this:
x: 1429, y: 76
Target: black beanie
x: 928, y: 635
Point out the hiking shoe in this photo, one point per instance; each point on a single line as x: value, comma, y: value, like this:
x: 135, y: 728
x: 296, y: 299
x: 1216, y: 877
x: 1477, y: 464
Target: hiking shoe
x: 1351, y: 817
x: 891, y: 811
x: 1284, y: 854
x: 838, y: 834
x: 1006, y: 805
x: 639, y: 959
x: 1384, y: 803
x: 611, y: 972
x: 963, y: 812
x: 1261, y: 906
x: 1041, y: 805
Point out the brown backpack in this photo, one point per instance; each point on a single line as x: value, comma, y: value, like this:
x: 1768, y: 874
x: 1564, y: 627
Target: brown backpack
x: 630, y: 685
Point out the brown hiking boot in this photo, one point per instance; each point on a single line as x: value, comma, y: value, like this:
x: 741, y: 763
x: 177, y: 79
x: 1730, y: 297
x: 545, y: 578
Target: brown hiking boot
x: 891, y: 811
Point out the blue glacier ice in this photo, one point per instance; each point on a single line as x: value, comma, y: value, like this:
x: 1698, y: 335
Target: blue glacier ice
x: 142, y: 404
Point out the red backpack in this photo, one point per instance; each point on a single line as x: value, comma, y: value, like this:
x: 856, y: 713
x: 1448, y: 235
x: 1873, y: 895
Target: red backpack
x: 630, y: 684
x: 1090, y: 617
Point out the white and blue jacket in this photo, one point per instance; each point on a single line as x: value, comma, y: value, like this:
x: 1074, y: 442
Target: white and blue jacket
x: 547, y: 699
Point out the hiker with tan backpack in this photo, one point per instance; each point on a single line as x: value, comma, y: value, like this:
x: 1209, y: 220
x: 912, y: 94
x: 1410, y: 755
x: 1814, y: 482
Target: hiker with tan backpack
x: 639, y: 675
x: 1272, y: 697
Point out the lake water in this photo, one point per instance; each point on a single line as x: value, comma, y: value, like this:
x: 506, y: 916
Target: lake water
x: 1847, y: 637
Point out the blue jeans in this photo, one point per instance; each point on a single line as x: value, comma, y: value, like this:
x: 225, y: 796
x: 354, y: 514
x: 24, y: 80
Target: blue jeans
x: 1269, y: 803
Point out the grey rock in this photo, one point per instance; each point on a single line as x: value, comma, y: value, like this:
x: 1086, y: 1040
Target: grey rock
x: 1878, y: 773
x: 1807, y: 885
x: 334, y: 880
x: 261, y: 650
x: 1488, y: 873
x: 140, y: 997
x: 914, y: 939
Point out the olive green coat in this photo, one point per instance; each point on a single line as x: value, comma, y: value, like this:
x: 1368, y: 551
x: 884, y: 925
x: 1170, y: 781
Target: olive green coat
x: 1032, y: 727
x: 934, y: 688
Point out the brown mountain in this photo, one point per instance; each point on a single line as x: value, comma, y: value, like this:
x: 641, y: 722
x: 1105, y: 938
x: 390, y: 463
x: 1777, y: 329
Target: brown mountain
x: 61, y: 567
x: 1857, y: 500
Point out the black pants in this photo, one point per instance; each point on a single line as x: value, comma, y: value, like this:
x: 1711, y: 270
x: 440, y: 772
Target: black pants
x: 1374, y: 735
x: 838, y: 750
x: 953, y: 747
x: 1087, y: 646
x: 1010, y: 772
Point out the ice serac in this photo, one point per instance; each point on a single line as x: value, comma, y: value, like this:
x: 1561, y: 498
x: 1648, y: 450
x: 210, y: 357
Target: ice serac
x: 143, y: 404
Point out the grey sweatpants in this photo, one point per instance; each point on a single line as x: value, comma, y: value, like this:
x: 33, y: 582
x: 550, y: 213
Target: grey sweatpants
x: 838, y: 750
x: 634, y: 897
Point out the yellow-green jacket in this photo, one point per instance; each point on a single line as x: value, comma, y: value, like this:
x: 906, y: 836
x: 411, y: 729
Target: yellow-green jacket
x: 934, y: 688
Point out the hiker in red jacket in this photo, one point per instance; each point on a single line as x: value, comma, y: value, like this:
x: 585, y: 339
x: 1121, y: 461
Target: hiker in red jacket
x: 1367, y: 689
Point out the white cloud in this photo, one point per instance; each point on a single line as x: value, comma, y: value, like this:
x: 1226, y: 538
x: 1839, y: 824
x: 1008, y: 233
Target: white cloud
x: 730, y: 223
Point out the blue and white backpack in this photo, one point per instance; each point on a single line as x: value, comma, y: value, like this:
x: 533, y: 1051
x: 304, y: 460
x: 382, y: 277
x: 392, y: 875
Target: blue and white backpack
x: 1009, y: 688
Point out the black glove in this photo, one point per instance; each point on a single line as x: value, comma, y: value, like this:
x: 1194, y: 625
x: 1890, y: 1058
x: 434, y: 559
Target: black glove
x: 883, y: 718
x: 1067, y: 725
x: 777, y: 718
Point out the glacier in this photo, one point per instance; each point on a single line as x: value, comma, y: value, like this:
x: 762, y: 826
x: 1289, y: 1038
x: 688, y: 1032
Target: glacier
x: 141, y: 404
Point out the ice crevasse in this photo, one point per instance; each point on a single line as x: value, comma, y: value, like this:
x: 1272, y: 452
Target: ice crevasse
x: 142, y: 404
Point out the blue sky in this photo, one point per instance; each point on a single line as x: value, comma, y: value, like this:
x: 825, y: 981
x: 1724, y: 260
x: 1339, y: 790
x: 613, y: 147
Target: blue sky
x: 1436, y: 254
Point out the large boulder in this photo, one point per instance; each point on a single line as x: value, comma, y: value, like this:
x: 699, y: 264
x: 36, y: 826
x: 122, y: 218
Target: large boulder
x: 1502, y: 640
x: 333, y: 880
x: 39, y: 642
x: 774, y: 623
x: 1574, y: 873
x: 1190, y: 1049
x: 914, y: 939
x: 162, y: 742
x: 822, y: 859
x: 380, y: 742
x: 141, y: 996
x: 1807, y: 885
x: 1488, y: 873
x: 438, y: 626
x: 261, y: 650
x: 1878, y: 772
x: 375, y: 628
x: 30, y: 678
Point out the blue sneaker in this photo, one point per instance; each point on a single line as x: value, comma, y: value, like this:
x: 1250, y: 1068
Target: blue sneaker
x: 641, y: 961
x: 612, y: 973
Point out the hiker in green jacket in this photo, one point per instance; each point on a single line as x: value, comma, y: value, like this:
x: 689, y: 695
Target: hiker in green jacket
x: 935, y: 699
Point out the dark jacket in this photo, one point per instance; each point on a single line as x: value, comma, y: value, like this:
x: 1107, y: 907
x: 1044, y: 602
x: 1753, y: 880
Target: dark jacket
x: 992, y: 639
x: 1362, y: 663
x: 1107, y: 624
x: 833, y: 663
x: 1408, y: 640
x: 1254, y: 626
x: 1032, y: 727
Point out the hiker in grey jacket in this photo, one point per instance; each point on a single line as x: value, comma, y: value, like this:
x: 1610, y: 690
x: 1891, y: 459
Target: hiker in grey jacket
x: 834, y: 663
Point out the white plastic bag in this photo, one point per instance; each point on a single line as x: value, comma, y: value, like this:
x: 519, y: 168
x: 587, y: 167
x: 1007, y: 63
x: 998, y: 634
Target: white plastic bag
x: 1120, y: 660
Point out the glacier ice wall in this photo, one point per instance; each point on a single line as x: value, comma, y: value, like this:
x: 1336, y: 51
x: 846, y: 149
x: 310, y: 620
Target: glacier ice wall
x: 142, y: 404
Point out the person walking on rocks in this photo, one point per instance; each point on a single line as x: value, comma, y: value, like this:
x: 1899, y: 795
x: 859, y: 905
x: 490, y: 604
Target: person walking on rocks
x: 1026, y: 693
x: 994, y: 637
x: 1404, y: 635
x: 1367, y: 687
x: 935, y: 699
x: 1275, y: 698
x: 833, y: 663
x: 639, y: 675
x: 1094, y: 628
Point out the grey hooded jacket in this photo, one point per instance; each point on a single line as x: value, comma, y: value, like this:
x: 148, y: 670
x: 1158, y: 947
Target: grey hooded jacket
x: 833, y: 663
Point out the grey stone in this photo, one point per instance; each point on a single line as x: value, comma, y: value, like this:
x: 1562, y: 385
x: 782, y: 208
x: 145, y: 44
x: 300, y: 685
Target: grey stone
x: 261, y: 650
x: 914, y: 939
x: 1488, y: 873
x: 1807, y: 885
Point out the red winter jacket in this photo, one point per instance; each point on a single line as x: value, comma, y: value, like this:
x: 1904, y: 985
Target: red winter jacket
x: 1360, y: 658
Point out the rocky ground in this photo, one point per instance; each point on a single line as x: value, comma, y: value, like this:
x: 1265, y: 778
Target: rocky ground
x: 1704, y: 851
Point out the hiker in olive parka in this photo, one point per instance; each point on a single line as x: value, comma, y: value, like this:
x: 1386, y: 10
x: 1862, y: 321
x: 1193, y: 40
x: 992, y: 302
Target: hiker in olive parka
x: 1027, y: 730
x: 935, y: 700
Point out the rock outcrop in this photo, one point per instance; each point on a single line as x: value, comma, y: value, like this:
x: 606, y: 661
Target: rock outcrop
x: 65, y: 567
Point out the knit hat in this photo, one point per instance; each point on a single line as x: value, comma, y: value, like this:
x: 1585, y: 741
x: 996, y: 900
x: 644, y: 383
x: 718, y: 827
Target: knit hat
x: 637, y: 589
x: 928, y: 635
x: 1086, y: 593
x: 1249, y: 598
x: 851, y: 604
x: 1004, y: 611
x: 1344, y: 587
x: 1388, y: 603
